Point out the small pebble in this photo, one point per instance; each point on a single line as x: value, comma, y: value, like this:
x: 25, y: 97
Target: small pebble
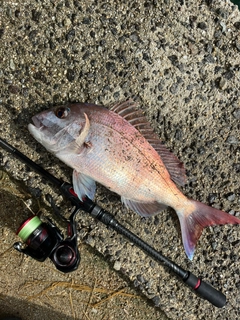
x: 174, y: 88
x: 214, y: 245
x: 231, y: 197
x: 67, y: 22
x: 70, y: 75
x: 156, y: 301
x: 13, y: 89
x: 12, y: 64
x: 222, y: 83
x: 140, y: 278
x: 236, y: 114
x: 117, y: 265
x: 237, y: 25
x: 70, y: 35
x: 232, y: 140
x: 202, y: 25
x: 90, y: 241
x: 212, y: 197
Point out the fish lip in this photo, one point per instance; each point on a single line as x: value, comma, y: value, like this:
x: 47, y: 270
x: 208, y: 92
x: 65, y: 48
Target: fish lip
x: 37, y: 123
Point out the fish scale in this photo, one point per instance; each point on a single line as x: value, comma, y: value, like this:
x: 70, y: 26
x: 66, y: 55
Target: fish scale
x: 117, y: 160
x: 119, y: 149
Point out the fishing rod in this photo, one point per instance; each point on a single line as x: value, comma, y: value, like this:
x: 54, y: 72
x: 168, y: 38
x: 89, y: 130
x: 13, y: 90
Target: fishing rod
x: 45, y: 239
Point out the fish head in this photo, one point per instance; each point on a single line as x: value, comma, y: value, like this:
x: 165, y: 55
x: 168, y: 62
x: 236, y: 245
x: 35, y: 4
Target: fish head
x: 58, y: 127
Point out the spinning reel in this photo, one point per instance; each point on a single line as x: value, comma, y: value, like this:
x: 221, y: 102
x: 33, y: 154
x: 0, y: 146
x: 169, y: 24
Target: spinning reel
x: 44, y: 240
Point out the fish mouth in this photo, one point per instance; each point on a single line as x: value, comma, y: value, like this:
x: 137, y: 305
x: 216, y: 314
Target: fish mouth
x: 37, y: 123
x: 36, y: 129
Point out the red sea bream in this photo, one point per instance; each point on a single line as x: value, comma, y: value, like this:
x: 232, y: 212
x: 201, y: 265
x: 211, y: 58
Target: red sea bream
x: 118, y: 149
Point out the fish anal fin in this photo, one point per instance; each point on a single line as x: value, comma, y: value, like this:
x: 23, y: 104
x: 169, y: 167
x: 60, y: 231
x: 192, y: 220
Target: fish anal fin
x: 83, y: 185
x: 144, y: 209
x: 130, y: 112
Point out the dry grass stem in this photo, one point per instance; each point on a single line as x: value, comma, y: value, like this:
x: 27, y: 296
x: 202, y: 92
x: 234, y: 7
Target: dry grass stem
x: 77, y: 287
x: 91, y: 295
x: 71, y: 304
x: 86, y: 315
x: 6, y: 251
x: 108, y: 298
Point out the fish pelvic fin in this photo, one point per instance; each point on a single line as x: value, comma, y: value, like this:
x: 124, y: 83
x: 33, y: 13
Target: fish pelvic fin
x: 83, y: 185
x: 201, y: 216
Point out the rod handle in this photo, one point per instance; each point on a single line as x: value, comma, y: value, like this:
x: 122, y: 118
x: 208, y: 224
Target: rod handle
x: 206, y: 291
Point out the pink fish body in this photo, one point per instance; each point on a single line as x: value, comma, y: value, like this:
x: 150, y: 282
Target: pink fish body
x: 118, y: 149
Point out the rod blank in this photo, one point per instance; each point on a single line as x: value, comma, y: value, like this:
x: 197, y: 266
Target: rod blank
x: 203, y: 289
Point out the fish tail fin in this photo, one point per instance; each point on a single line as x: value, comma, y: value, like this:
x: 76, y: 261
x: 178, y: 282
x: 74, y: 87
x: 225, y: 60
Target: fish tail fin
x: 199, y: 216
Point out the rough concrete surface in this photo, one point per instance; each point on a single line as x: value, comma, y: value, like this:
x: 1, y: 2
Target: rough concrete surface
x: 34, y: 290
x: 181, y: 61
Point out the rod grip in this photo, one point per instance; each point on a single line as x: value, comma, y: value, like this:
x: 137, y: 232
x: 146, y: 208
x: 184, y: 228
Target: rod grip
x: 206, y: 291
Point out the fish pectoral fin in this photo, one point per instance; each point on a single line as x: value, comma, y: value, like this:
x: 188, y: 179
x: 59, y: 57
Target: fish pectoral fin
x: 83, y: 185
x: 144, y: 209
x: 84, y: 132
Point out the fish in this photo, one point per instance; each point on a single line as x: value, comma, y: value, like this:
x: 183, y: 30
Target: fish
x: 117, y: 148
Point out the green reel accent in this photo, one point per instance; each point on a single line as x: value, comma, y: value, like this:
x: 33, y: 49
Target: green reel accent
x: 28, y: 228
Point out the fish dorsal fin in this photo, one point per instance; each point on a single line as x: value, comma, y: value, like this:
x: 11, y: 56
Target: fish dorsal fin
x: 173, y: 164
x: 129, y: 111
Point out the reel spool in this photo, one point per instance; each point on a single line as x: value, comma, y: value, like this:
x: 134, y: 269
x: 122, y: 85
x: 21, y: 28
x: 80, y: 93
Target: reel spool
x: 44, y: 240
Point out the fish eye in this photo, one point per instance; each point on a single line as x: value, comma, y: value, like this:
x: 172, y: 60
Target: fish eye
x: 62, y: 112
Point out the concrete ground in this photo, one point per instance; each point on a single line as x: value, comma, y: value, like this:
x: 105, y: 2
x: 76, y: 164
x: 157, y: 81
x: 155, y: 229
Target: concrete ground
x: 181, y: 61
x: 33, y: 290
